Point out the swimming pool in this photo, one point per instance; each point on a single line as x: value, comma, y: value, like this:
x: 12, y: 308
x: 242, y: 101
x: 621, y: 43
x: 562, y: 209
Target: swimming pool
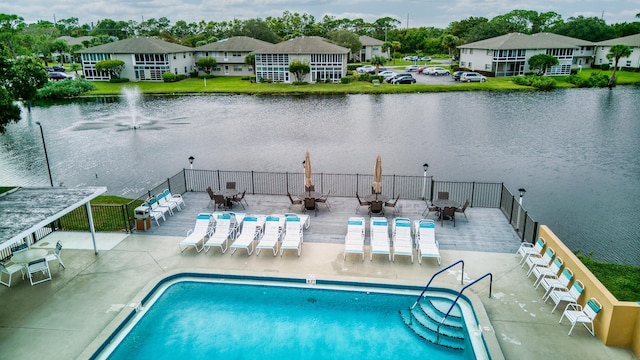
x: 205, y: 318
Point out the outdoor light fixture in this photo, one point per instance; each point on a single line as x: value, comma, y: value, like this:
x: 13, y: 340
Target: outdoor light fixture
x: 46, y: 157
x: 425, y: 166
x: 522, y: 191
x: 191, y: 158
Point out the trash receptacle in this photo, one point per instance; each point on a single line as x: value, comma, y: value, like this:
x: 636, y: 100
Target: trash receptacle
x: 143, y: 218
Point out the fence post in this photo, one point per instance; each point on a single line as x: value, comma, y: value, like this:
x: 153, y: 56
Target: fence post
x: 125, y: 218
x: 218, y: 171
x: 253, y: 183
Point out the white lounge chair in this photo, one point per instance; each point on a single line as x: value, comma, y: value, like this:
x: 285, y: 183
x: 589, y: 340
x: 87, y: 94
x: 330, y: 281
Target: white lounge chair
x: 428, y: 247
x: 402, y: 238
x: 527, y: 249
x: 585, y: 315
x: 177, y: 198
x: 225, y: 227
x: 196, y: 235
x: 153, y: 202
x: 379, y: 237
x: 540, y: 260
x: 304, y: 219
x: 252, y: 229
x: 557, y: 282
x: 273, y: 231
x: 541, y: 272
x: 293, y: 234
x: 39, y: 266
x: 163, y: 201
x: 354, y: 240
x: 572, y: 295
x: 156, y: 214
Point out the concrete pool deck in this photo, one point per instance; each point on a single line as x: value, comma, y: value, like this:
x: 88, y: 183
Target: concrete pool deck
x: 60, y: 318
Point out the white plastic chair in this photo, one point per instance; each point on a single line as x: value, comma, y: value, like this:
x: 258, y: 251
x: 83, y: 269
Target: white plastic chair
x: 426, y: 238
x: 196, y: 235
x: 177, y: 198
x: 576, y: 313
x: 402, y: 239
x: 39, y: 266
x: 541, y: 272
x: 10, y: 270
x: 557, y: 282
x: 527, y: 249
x: 163, y: 201
x: 56, y: 254
x: 537, y: 260
x: 572, y: 295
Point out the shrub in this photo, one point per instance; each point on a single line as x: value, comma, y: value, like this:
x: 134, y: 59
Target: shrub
x: 538, y: 82
x: 299, y: 83
x: 118, y: 80
x: 207, y: 76
x: 64, y: 89
x: 604, y: 67
x: 181, y: 77
x: 169, y: 76
x: 345, y: 80
x: 193, y: 74
x: 595, y: 80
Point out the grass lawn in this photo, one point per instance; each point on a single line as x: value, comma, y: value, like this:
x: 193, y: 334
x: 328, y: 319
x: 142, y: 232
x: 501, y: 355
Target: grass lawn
x: 235, y: 85
x: 623, y: 281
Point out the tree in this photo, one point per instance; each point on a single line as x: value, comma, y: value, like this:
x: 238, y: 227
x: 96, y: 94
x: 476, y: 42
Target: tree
x: 75, y: 67
x: 346, y: 39
x: 591, y: 29
x: 377, y: 61
x: 61, y: 47
x: 616, y: 52
x: 26, y: 76
x: 207, y: 64
x: 395, y: 45
x: 113, y: 67
x: 250, y: 60
x: 450, y: 42
x: 9, y: 111
x: 299, y: 69
x: 258, y: 29
x: 542, y: 62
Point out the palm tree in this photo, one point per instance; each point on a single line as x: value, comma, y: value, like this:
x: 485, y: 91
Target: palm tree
x: 616, y: 52
x: 377, y: 61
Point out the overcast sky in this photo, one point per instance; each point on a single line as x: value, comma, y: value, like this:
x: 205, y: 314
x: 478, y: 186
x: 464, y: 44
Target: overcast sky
x: 414, y: 12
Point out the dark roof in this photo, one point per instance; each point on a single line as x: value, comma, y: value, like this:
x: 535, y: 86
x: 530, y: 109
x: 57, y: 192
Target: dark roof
x: 631, y: 40
x: 235, y: 43
x: 369, y: 41
x: 139, y: 45
x: 304, y: 45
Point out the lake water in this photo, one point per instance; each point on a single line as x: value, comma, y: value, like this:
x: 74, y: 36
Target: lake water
x: 577, y: 152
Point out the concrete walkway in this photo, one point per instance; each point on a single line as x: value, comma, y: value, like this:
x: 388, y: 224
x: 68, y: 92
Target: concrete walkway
x: 59, y: 319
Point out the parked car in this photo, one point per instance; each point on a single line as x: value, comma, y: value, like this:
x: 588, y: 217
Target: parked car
x: 472, y: 76
x: 387, y: 73
x: 365, y: 69
x: 391, y: 78
x: 380, y: 69
x: 426, y: 70
x: 412, y: 68
x: 404, y: 79
x: 59, y: 68
x: 437, y: 71
x: 456, y: 75
x: 424, y: 59
x: 56, y: 75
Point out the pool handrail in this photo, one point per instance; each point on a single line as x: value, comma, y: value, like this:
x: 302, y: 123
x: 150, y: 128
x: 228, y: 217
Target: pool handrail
x: 460, y: 294
x: 434, y: 275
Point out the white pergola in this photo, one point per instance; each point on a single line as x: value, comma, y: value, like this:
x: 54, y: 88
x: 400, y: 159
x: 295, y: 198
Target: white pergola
x: 25, y: 210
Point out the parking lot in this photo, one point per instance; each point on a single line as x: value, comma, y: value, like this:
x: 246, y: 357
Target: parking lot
x: 426, y: 79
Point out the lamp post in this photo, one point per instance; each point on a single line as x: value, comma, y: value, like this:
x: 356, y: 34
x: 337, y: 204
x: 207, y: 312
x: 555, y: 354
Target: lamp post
x: 191, y: 158
x: 425, y: 166
x: 521, y: 191
x: 46, y: 156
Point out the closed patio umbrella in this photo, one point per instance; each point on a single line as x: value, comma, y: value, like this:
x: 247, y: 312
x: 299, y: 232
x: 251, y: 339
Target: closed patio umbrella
x: 308, y: 181
x: 377, y: 175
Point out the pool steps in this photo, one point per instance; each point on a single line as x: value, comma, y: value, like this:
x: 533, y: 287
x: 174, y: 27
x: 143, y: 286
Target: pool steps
x: 423, y: 320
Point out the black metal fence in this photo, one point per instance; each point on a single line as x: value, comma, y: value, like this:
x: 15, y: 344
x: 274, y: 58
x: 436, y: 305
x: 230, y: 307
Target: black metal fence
x: 480, y: 194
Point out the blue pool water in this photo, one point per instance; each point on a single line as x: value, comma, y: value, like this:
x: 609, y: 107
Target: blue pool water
x: 205, y: 320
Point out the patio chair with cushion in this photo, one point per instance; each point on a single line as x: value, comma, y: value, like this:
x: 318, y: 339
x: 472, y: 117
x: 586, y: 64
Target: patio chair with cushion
x: 220, y: 201
x: 463, y: 209
x: 10, y: 269
x: 212, y: 197
x: 361, y: 203
x: 448, y: 213
x: 430, y: 208
x: 56, y: 254
x: 39, y: 266
x: 376, y: 207
x: 576, y: 313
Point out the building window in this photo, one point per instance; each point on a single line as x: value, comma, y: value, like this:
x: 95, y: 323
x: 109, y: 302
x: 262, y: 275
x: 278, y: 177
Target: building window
x: 462, y: 64
x: 237, y: 68
x: 487, y: 66
x: 628, y: 63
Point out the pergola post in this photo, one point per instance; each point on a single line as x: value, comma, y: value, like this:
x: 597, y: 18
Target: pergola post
x: 91, y: 227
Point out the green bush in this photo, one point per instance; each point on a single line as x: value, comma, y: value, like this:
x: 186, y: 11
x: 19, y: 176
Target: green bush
x: 345, y: 80
x: 193, y: 74
x: 118, y: 80
x: 64, y: 89
x: 169, y: 76
x: 604, y: 67
x: 299, y: 83
x: 207, y: 76
x: 595, y: 80
x: 536, y: 81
